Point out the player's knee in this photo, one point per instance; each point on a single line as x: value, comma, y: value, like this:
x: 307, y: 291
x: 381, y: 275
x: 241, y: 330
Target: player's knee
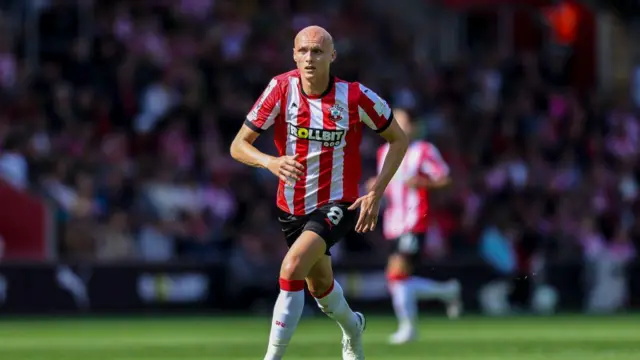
x: 303, y: 255
x: 293, y: 268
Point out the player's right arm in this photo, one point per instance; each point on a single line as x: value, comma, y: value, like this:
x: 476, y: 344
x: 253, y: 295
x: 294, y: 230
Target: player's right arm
x: 260, y: 118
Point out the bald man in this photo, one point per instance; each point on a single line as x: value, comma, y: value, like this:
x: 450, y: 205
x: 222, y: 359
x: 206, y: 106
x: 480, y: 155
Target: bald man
x: 318, y: 121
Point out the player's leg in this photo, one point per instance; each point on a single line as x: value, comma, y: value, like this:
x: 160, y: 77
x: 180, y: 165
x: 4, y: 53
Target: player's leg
x: 403, y: 297
x: 303, y: 254
x: 332, y: 222
x: 401, y: 265
x: 406, y: 289
x: 330, y: 298
x: 449, y: 292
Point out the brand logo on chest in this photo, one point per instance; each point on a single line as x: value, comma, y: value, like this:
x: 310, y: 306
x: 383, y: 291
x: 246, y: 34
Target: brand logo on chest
x: 326, y: 137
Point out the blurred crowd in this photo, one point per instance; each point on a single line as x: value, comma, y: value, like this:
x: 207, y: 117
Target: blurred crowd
x: 125, y: 122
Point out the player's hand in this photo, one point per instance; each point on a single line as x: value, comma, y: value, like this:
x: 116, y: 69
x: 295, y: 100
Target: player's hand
x: 369, y: 206
x: 287, y: 168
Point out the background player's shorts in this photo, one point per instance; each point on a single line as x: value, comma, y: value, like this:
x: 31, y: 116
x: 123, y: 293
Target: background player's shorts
x: 410, y: 245
x: 331, y: 221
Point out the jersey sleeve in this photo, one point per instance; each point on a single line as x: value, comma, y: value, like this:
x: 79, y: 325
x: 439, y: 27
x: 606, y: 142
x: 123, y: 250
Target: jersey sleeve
x: 432, y: 164
x: 374, y: 110
x: 266, y: 109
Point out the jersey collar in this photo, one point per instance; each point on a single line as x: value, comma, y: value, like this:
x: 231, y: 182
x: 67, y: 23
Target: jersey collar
x: 332, y: 82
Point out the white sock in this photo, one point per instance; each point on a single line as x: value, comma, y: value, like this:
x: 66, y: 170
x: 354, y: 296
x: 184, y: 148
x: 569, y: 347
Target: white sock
x: 286, y: 315
x: 336, y: 307
x: 404, y: 304
x: 427, y: 289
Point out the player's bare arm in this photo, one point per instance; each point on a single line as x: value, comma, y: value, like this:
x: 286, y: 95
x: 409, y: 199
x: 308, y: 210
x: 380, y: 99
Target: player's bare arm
x: 370, y: 203
x: 398, y: 144
x: 370, y: 183
x: 285, y: 167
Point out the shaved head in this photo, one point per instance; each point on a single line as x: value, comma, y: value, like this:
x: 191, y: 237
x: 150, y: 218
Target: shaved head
x: 316, y: 34
x: 313, y: 53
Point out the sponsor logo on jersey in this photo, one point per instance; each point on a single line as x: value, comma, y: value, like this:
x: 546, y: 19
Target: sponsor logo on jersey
x: 327, y: 137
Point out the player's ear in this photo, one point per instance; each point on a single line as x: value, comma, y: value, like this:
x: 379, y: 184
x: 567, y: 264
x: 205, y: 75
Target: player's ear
x: 333, y: 55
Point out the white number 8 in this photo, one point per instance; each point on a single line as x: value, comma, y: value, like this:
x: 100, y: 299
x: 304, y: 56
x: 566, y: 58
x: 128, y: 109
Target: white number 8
x: 335, y: 214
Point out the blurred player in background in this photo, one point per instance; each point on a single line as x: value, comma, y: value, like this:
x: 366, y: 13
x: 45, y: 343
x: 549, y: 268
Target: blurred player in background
x: 318, y: 121
x: 405, y: 223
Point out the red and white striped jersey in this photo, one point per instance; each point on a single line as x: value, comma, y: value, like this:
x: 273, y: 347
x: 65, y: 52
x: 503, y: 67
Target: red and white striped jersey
x: 407, y: 207
x: 325, y: 131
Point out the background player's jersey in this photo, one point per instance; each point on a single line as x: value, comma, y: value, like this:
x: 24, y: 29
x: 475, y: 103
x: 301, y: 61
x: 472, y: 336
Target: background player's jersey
x: 325, y: 131
x: 406, y: 209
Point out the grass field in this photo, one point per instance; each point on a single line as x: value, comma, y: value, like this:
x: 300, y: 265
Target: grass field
x: 472, y: 338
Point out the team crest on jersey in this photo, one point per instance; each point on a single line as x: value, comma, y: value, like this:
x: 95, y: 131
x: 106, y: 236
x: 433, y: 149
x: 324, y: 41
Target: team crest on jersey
x: 335, y: 112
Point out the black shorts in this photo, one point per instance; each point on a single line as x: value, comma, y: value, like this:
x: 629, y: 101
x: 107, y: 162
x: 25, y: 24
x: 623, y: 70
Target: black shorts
x: 331, y: 221
x: 410, y: 245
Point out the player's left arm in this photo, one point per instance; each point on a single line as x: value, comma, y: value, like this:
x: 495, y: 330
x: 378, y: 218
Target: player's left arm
x: 376, y: 114
x: 398, y: 145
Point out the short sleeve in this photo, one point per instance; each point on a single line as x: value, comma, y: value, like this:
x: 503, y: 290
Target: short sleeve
x: 374, y: 110
x: 266, y: 109
x: 432, y: 164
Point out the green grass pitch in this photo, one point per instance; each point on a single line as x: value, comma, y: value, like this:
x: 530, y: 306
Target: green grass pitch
x: 318, y: 338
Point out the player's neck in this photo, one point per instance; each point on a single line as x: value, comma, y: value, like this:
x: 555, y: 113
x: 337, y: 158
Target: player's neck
x: 316, y: 86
